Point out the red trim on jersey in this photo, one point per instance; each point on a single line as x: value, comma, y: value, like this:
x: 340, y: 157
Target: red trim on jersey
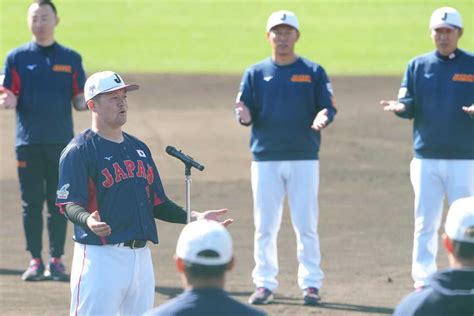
x: 76, y: 89
x: 80, y: 278
x: 16, y: 82
x: 92, y: 202
x: 61, y: 208
x: 92, y: 194
x: 157, y: 201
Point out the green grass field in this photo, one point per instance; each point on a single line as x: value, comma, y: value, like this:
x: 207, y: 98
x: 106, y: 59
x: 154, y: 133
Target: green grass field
x: 222, y: 36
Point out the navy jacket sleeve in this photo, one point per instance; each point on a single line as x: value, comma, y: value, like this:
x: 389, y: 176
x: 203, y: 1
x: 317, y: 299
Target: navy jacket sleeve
x: 406, y: 94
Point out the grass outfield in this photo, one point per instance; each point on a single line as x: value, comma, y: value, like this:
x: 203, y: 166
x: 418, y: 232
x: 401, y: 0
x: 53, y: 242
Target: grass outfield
x: 211, y: 36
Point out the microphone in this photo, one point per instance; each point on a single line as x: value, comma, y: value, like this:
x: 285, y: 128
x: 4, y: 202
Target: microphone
x: 170, y: 150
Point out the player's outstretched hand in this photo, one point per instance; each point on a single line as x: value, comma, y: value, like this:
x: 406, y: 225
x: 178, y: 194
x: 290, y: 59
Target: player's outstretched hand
x: 242, y: 113
x: 213, y: 215
x: 469, y: 109
x: 321, y: 120
x: 7, y: 99
x: 393, y: 106
x: 99, y: 228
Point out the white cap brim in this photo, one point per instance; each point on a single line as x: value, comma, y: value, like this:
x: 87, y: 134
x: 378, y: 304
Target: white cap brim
x: 444, y: 25
x: 127, y: 87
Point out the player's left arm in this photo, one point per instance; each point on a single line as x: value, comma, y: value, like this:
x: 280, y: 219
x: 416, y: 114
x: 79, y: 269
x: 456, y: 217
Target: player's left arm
x: 79, y: 102
x: 325, y: 101
x: 168, y: 211
x: 78, y: 81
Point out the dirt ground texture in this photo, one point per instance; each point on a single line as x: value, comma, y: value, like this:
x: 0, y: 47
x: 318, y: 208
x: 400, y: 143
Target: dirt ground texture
x: 366, y: 199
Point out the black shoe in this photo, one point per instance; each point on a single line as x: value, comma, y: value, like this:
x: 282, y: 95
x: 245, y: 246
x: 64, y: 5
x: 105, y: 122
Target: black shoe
x: 35, y: 271
x: 56, y: 271
x: 261, y: 296
x: 311, y: 296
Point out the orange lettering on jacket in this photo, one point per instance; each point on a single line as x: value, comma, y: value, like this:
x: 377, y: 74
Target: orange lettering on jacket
x: 62, y: 68
x: 300, y: 78
x: 463, y: 77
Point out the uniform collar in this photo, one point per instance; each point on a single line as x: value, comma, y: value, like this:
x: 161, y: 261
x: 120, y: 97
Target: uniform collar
x: 34, y: 46
x: 451, y: 56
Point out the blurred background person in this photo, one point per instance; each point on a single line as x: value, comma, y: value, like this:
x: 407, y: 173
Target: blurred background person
x: 451, y: 291
x: 42, y: 80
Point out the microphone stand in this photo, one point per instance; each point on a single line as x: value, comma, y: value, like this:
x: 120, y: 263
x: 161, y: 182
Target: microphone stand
x: 187, y: 180
x: 188, y: 164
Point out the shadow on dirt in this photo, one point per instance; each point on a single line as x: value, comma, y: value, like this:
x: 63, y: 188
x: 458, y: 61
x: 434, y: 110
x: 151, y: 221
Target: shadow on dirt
x: 4, y: 271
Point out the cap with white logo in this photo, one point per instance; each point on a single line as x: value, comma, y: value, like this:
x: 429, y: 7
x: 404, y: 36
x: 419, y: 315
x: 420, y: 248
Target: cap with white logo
x: 105, y: 81
x: 445, y: 17
x: 205, y: 242
x: 282, y: 17
x: 460, y: 220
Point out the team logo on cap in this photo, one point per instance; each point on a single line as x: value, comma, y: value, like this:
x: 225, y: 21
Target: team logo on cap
x: 91, y: 89
x: 63, y: 193
x: 445, y: 16
x: 117, y: 79
x: 283, y: 17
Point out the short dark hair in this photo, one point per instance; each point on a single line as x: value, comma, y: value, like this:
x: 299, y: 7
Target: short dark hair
x: 201, y: 271
x: 47, y: 2
x: 463, y: 250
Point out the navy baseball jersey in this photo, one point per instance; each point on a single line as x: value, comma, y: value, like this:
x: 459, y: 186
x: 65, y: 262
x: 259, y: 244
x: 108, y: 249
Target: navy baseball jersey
x: 283, y: 102
x: 45, y: 80
x: 451, y: 292
x: 204, y: 301
x: 119, y: 180
x: 434, y: 90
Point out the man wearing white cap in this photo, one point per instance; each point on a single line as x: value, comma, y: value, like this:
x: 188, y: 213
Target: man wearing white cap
x: 437, y: 92
x: 451, y: 291
x: 41, y: 80
x: 287, y: 99
x: 110, y: 188
x: 203, y: 257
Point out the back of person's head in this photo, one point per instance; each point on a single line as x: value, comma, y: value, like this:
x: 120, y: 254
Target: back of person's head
x: 205, y: 247
x: 459, y: 228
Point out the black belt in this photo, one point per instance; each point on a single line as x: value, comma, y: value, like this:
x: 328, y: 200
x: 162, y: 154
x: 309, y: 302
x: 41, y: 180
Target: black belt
x: 137, y: 243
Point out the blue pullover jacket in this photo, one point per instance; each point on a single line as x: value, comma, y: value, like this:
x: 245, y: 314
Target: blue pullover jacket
x: 434, y: 90
x: 283, y: 102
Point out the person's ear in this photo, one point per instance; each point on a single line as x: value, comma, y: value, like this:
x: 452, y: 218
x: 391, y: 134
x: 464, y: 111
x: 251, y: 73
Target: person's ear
x: 231, y: 264
x: 57, y: 20
x: 461, y: 31
x: 179, y: 263
x: 447, y: 243
x: 90, y: 105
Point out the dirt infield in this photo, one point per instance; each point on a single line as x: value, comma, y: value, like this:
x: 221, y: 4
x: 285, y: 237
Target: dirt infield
x: 365, y: 196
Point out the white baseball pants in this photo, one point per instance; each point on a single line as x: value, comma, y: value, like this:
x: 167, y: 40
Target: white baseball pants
x: 432, y: 179
x: 271, y: 182
x: 111, y: 280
